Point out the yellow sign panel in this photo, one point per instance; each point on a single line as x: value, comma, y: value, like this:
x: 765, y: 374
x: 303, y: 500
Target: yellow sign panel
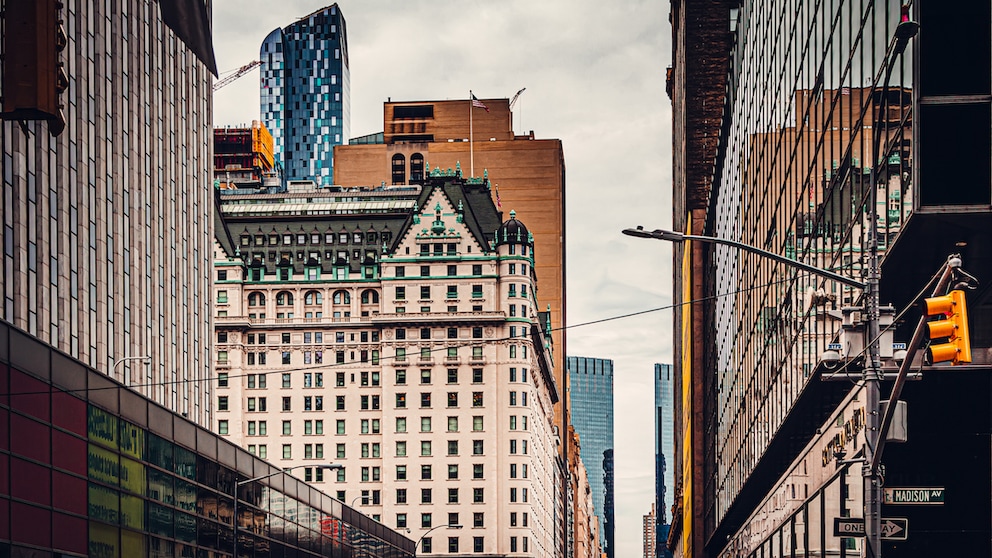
x: 103, y: 465
x: 102, y: 427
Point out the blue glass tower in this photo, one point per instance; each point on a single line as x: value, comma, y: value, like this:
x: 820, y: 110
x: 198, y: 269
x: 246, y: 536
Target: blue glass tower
x: 305, y: 94
x: 664, y: 450
x: 591, y: 394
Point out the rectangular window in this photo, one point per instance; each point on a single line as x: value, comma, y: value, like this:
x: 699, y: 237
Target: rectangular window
x: 477, y: 399
x: 425, y: 292
x: 339, y: 425
x: 477, y: 473
x: 425, y: 424
x: 400, y: 293
x: 340, y: 451
x: 477, y: 447
x: 287, y: 451
x: 478, y: 494
x: 452, y: 424
x: 452, y: 399
x: 453, y: 471
x: 222, y: 426
x: 400, y: 400
x: 400, y: 449
x: 452, y: 291
x: 401, y: 377
x: 476, y: 375
x: 425, y: 400
x: 425, y: 495
x: 425, y: 472
x: 287, y: 428
x: 401, y: 424
x: 222, y: 403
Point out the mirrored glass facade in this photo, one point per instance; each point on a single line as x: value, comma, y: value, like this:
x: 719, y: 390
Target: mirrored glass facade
x: 591, y: 395
x: 107, y: 227
x: 90, y: 468
x: 807, y: 102
x: 305, y: 93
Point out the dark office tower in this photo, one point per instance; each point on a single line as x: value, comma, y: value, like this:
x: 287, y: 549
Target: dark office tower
x: 107, y: 226
x: 591, y: 392
x: 305, y: 94
x: 664, y: 449
x: 800, y: 129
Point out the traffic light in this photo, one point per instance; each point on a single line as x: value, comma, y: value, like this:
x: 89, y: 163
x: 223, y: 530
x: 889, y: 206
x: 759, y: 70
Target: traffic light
x: 33, y: 76
x: 951, y: 323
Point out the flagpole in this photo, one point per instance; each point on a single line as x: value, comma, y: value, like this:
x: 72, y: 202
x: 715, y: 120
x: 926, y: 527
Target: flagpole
x: 471, y: 134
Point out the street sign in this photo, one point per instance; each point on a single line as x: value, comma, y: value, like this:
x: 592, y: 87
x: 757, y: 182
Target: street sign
x: 849, y: 527
x: 893, y: 529
x: 933, y: 496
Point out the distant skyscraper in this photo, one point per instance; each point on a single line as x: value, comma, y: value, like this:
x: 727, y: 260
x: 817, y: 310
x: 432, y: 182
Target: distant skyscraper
x: 664, y: 429
x: 305, y: 93
x: 591, y: 392
x: 650, y: 536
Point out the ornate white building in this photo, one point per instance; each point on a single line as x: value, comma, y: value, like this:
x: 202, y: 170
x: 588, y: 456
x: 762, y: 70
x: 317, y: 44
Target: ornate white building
x: 395, y: 332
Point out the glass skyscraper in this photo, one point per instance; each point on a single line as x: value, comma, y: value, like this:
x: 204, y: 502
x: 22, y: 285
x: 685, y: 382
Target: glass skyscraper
x: 305, y: 93
x: 664, y: 429
x: 107, y: 226
x: 591, y: 395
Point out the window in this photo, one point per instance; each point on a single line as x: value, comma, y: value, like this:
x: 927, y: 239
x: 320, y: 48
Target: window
x: 477, y: 423
x: 287, y: 428
x: 478, y: 519
x: 400, y: 354
x: 478, y: 494
x: 425, y: 472
x: 452, y: 544
x: 452, y: 399
x: 425, y: 292
x: 452, y: 291
x: 401, y: 472
x: 476, y: 375
x: 400, y: 520
x: 222, y: 426
x: 452, y: 375
x: 401, y: 377
x: 513, y: 398
x: 425, y: 495
x: 286, y: 357
x: 286, y: 404
x: 513, y: 422
x: 425, y: 376
x: 222, y: 403
x: 425, y: 448
x: 477, y: 473
x: 453, y: 497
x: 400, y: 334
x: 339, y: 403
x: 477, y: 447
x: 478, y: 544
x: 400, y: 495
x: 477, y: 399
x: 287, y: 451
x: 453, y: 471
x: 400, y: 400
x: 476, y: 291
x: 340, y: 451
x: 400, y: 293
x: 401, y: 424
x: 477, y: 352
x: 425, y: 400
x: 400, y: 449
x: 339, y: 425
x: 513, y: 544
x: 452, y: 424
x: 286, y: 380
x: 513, y: 446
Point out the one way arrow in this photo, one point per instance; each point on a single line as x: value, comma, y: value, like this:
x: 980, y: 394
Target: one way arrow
x: 890, y: 528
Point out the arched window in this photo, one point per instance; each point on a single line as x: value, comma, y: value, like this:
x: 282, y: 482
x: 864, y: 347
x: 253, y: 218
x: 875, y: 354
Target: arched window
x: 399, y: 169
x: 342, y: 297
x: 256, y: 299
x: 416, y: 168
x: 284, y: 298
x: 370, y: 297
x: 313, y: 297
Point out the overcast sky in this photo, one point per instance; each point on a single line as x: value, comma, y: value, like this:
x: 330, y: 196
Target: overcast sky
x: 595, y: 78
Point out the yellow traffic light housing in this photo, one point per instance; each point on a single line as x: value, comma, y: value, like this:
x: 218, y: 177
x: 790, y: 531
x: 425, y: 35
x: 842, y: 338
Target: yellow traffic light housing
x: 951, y: 324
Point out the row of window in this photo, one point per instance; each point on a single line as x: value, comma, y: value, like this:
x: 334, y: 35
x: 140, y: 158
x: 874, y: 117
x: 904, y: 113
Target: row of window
x: 426, y: 270
x: 366, y: 379
x: 426, y: 292
x: 316, y: 238
x: 310, y: 298
x: 367, y: 402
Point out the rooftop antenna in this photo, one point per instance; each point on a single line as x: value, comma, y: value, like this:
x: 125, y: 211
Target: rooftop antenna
x: 513, y: 101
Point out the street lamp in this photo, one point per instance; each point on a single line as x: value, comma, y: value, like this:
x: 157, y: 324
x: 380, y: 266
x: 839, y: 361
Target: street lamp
x: 238, y: 484
x: 449, y: 525
x: 145, y: 359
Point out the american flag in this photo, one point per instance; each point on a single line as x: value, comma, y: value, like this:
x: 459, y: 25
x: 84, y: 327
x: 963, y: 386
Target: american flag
x: 499, y: 204
x: 477, y: 103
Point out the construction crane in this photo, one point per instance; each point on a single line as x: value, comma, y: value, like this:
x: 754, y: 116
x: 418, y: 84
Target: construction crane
x: 237, y: 73
x: 513, y: 101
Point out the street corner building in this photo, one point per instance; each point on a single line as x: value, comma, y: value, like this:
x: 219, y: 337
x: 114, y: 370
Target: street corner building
x: 397, y: 331
x: 89, y: 467
x: 827, y: 134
